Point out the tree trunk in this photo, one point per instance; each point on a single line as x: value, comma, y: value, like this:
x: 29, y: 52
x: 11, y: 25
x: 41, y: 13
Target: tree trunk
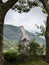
x: 47, y: 39
x: 4, y: 7
x: 2, y: 15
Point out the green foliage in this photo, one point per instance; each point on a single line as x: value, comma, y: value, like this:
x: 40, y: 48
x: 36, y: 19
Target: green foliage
x: 32, y: 3
x: 42, y: 30
x: 10, y: 55
x: 44, y: 11
x: 32, y: 51
x: 14, y: 57
x: 36, y: 49
x: 24, y: 6
x: 23, y: 53
x: 33, y: 47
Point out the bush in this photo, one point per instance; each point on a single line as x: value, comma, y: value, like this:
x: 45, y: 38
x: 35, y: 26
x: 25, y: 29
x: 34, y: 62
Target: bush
x: 31, y: 52
x: 14, y: 57
x: 10, y: 56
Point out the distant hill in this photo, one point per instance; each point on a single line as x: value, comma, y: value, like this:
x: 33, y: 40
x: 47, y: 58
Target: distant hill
x: 12, y: 34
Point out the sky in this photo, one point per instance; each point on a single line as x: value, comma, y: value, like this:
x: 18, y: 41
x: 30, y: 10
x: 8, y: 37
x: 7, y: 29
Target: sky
x: 28, y: 20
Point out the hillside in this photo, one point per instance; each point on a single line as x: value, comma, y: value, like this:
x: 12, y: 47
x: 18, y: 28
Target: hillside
x: 12, y: 34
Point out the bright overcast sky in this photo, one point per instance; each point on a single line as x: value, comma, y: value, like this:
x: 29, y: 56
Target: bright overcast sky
x: 28, y: 20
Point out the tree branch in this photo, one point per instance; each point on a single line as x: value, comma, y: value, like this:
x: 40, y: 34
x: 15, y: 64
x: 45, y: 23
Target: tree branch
x: 9, y: 4
x: 1, y: 1
x: 45, y: 4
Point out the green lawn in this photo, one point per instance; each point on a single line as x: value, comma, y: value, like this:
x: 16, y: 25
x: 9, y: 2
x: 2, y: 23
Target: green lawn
x: 30, y: 63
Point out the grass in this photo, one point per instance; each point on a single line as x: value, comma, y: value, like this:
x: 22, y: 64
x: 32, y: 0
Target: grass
x: 34, y: 63
x: 29, y: 63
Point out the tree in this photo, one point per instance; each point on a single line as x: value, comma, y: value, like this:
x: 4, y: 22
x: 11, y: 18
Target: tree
x: 4, y: 7
x: 33, y: 51
x: 46, y: 6
x: 36, y: 50
x: 42, y: 30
